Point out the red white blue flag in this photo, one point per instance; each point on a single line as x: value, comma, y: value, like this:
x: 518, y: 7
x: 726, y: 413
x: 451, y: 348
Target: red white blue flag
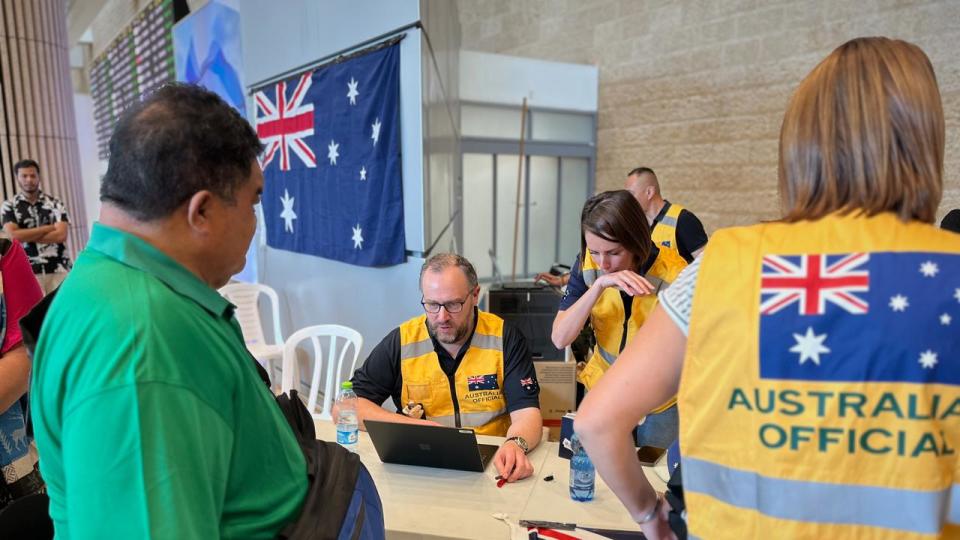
x: 482, y: 382
x: 882, y: 317
x: 331, y: 166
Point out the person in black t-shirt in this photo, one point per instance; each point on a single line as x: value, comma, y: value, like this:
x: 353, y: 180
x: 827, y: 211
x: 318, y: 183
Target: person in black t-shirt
x: 691, y: 238
x: 458, y: 366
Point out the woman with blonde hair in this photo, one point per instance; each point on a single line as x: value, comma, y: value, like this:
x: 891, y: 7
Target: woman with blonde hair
x: 816, y: 356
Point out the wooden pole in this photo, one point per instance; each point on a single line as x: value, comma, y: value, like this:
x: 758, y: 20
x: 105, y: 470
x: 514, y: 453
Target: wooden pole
x: 516, y: 214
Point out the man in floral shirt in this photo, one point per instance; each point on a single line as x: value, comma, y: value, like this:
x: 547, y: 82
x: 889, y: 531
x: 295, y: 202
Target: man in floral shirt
x: 40, y: 222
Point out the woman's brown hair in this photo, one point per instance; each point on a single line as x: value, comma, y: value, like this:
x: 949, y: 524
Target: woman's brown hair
x: 616, y: 216
x: 864, y: 132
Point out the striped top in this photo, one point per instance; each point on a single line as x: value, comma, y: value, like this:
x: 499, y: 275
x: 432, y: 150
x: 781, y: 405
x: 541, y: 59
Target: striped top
x: 677, y: 300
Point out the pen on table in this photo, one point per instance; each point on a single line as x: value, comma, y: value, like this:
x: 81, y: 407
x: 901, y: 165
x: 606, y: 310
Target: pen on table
x: 501, y: 480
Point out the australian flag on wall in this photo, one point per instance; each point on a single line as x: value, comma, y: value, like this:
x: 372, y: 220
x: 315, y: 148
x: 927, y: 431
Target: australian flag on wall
x: 331, y: 163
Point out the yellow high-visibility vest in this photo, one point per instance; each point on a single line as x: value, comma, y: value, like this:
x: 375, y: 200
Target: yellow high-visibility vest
x: 607, y: 315
x: 669, y: 262
x: 478, y: 401
x: 820, y: 393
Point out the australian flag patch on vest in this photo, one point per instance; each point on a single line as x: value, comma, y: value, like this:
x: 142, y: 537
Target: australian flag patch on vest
x: 665, y: 243
x: 482, y: 382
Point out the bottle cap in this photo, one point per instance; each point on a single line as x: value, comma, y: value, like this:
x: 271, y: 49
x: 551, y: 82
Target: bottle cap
x: 346, y: 385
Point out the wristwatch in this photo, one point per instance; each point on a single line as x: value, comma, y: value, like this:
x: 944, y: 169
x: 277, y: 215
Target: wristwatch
x: 521, y: 442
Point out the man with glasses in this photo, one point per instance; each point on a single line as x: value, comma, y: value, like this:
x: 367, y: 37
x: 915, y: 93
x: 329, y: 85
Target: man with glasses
x: 460, y: 366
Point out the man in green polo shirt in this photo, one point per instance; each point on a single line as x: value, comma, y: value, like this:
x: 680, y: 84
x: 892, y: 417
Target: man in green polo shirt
x: 151, y: 420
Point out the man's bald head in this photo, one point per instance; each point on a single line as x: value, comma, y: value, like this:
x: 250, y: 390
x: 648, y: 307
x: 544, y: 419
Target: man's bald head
x: 641, y: 178
x: 643, y: 184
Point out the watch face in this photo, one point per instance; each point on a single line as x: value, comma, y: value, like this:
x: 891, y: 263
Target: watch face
x: 521, y: 443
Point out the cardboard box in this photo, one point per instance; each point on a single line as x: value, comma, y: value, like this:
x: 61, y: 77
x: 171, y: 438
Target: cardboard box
x: 558, y: 392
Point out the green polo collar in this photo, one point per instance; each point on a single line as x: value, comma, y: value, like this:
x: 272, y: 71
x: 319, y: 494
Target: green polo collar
x: 136, y: 253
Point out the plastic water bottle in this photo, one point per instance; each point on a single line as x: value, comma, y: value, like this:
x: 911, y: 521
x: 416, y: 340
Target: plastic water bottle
x: 347, y: 426
x: 582, y: 473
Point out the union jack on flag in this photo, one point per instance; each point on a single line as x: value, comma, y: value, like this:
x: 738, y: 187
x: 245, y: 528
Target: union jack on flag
x: 813, y: 281
x: 284, y: 123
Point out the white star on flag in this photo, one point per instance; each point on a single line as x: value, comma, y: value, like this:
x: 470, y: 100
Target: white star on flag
x: 288, y: 214
x: 929, y: 269
x: 352, y: 91
x: 956, y: 294
x: 332, y: 152
x: 358, y: 237
x: 945, y: 319
x: 363, y: 173
x: 899, y: 303
x: 928, y: 359
x: 809, y: 346
x: 376, y: 131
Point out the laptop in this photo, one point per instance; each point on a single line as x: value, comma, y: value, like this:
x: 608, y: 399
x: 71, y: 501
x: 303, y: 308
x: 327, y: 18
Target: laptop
x: 429, y: 446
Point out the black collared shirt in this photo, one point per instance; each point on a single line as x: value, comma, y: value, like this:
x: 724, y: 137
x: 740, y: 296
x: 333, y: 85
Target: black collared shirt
x: 44, y: 258
x: 379, y: 377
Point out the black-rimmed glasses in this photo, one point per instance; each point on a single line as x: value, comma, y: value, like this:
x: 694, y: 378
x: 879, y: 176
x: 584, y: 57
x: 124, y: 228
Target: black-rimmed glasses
x: 451, y: 307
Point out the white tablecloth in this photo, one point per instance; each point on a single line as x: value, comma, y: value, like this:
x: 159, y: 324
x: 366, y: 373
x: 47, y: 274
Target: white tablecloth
x: 427, y: 503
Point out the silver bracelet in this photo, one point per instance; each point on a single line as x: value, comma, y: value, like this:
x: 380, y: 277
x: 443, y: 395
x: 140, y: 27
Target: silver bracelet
x: 653, y: 513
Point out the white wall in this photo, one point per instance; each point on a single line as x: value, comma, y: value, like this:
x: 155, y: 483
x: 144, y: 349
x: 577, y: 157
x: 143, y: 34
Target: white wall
x: 506, y: 80
x: 283, y: 34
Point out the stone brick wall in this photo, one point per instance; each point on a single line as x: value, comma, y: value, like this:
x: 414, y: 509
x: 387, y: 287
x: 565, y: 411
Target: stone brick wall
x: 696, y: 89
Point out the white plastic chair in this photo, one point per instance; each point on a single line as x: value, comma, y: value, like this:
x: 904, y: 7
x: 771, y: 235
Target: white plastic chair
x: 340, y: 338
x: 246, y: 297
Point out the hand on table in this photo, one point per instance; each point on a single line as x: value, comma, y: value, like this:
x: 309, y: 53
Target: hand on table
x: 627, y: 281
x: 511, y: 463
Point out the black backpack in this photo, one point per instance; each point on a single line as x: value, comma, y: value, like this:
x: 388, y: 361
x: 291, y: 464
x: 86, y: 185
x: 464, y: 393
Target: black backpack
x: 342, y: 501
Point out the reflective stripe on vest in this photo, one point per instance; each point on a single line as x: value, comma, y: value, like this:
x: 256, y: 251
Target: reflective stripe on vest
x: 423, y: 381
x: 821, y: 502
x: 589, y: 269
x: 837, y: 439
x: 469, y: 420
x: 608, y: 356
x: 669, y: 220
x: 425, y: 346
x: 419, y: 348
